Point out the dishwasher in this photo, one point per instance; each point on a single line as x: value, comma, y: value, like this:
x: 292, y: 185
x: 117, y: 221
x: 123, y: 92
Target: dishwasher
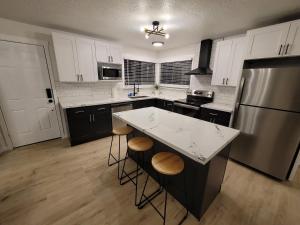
x: 119, y: 107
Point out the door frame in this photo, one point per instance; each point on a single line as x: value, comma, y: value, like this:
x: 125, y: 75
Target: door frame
x: 45, y: 44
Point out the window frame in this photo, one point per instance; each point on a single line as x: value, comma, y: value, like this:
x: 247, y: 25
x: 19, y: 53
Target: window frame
x: 130, y: 86
x: 174, y: 59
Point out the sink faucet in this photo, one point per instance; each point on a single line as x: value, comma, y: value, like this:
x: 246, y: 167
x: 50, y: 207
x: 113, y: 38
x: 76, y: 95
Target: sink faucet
x: 135, y: 90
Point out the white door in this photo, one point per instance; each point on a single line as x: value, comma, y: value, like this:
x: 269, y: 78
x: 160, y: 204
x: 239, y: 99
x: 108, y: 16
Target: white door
x: 237, y: 57
x: 116, y: 54
x: 24, y: 78
x: 66, y: 57
x: 222, y: 62
x: 293, y: 41
x: 102, y: 52
x: 267, y: 41
x: 86, y: 59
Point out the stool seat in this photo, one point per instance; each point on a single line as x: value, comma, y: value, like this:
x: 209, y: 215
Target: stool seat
x: 167, y: 163
x: 122, y: 130
x: 140, y: 144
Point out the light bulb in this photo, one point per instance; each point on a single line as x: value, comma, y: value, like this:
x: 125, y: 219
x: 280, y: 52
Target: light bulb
x: 147, y: 36
x: 158, y: 43
x: 167, y: 36
x: 142, y: 29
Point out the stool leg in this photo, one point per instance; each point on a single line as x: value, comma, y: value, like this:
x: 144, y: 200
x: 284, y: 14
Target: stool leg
x: 108, y: 162
x: 136, y: 180
x: 165, y: 208
x: 119, y: 157
x: 186, y: 200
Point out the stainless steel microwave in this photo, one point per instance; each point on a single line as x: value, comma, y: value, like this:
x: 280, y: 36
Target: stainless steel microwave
x: 107, y: 71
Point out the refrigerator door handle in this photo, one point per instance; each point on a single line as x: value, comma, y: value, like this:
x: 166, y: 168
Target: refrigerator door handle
x: 238, y: 100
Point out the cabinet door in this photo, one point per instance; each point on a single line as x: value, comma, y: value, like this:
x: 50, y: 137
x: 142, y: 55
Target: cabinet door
x: 79, y: 122
x: 222, y: 62
x: 86, y: 59
x: 293, y: 41
x: 66, y: 57
x: 267, y: 42
x: 215, y: 116
x: 101, y: 120
x: 236, y: 65
x: 116, y: 54
x: 102, y: 52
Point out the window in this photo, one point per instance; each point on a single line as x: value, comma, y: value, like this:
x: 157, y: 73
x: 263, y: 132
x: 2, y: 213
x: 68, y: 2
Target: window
x: 173, y: 72
x: 138, y: 71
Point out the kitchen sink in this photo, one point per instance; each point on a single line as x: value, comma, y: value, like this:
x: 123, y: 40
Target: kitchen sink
x: 139, y: 96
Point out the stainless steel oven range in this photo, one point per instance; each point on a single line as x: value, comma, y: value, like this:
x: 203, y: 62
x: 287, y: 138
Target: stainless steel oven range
x: 191, y: 105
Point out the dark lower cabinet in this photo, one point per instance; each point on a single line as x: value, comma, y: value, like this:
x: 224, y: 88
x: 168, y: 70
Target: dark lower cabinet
x: 143, y: 103
x: 215, y: 116
x: 164, y: 104
x: 89, y: 123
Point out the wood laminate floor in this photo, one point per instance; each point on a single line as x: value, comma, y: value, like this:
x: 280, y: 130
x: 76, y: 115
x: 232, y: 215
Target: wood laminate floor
x: 52, y: 183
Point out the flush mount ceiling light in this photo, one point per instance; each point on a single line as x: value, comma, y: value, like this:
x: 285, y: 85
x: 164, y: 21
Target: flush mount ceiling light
x: 156, y: 30
x: 158, y: 43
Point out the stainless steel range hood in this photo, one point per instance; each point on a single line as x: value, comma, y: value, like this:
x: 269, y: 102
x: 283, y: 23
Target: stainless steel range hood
x: 204, y: 59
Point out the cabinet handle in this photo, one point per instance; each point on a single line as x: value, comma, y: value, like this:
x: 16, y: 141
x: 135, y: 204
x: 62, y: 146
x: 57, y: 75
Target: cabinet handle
x: 227, y: 81
x: 112, y: 59
x: 280, y: 50
x: 90, y: 118
x: 213, y: 114
x: 77, y: 77
x: 81, y: 77
x: 287, y: 47
x: 93, y: 117
x: 223, y: 81
x: 101, y: 109
x: 79, y: 111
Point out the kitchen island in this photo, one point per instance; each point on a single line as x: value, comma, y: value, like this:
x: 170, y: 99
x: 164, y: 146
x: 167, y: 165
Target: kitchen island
x: 204, y: 147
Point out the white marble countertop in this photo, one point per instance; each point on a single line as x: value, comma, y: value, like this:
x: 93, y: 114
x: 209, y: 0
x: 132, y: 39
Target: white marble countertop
x: 219, y: 106
x: 93, y: 101
x: 197, y: 139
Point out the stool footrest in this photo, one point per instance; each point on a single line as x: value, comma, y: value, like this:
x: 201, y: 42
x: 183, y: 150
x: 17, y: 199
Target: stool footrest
x: 127, y: 175
x: 148, y: 199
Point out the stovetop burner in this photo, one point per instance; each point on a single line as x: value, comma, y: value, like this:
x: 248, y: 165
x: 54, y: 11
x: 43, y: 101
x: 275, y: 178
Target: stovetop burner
x: 197, y: 97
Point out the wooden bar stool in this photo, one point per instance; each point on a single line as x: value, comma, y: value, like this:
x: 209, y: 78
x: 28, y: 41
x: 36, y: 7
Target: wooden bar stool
x: 139, y: 145
x: 119, y: 132
x: 166, y: 164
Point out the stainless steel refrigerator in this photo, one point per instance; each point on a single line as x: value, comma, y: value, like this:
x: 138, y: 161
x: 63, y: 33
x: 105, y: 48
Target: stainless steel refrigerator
x: 268, y: 116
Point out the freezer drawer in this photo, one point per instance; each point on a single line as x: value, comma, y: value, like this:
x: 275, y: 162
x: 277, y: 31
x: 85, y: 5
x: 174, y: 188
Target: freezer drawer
x: 276, y: 88
x: 268, y: 141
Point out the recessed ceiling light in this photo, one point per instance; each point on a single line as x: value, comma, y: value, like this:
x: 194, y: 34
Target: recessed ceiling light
x: 158, y: 43
x: 167, y: 36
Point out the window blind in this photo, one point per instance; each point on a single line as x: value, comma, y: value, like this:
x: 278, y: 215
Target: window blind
x: 173, y: 72
x: 138, y: 71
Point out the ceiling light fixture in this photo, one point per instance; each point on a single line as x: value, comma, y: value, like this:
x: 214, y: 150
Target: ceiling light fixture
x: 156, y: 30
x: 158, y: 43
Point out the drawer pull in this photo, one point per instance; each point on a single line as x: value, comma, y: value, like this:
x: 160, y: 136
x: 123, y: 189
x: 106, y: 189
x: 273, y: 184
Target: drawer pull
x: 79, y: 111
x: 101, y: 109
x: 213, y: 114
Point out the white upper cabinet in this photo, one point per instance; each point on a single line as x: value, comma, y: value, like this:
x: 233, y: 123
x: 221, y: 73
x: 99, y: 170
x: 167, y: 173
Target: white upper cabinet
x: 222, y: 61
x: 237, y: 61
x: 86, y: 59
x: 116, y: 54
x: 102, y: 52
x: 75, y: 58
x: 107, y: 53
x: 274, y: 41
x: 293, y: 41
x: 66, y: 57
x: 229, y: 60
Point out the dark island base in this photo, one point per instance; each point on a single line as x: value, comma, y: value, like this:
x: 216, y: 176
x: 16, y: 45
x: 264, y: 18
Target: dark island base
x: 203, y: 181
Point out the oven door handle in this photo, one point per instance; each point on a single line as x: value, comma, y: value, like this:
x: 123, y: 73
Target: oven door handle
x: 186, y: 106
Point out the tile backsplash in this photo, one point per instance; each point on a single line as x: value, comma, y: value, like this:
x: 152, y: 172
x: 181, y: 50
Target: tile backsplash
x: 104, y: 90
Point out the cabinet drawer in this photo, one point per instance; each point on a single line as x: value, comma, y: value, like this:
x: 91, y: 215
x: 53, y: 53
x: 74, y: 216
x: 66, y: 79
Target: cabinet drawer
x: 215, y: 116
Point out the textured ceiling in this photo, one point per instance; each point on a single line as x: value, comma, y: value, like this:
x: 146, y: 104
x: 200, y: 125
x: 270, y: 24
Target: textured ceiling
x: 187, y: 21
